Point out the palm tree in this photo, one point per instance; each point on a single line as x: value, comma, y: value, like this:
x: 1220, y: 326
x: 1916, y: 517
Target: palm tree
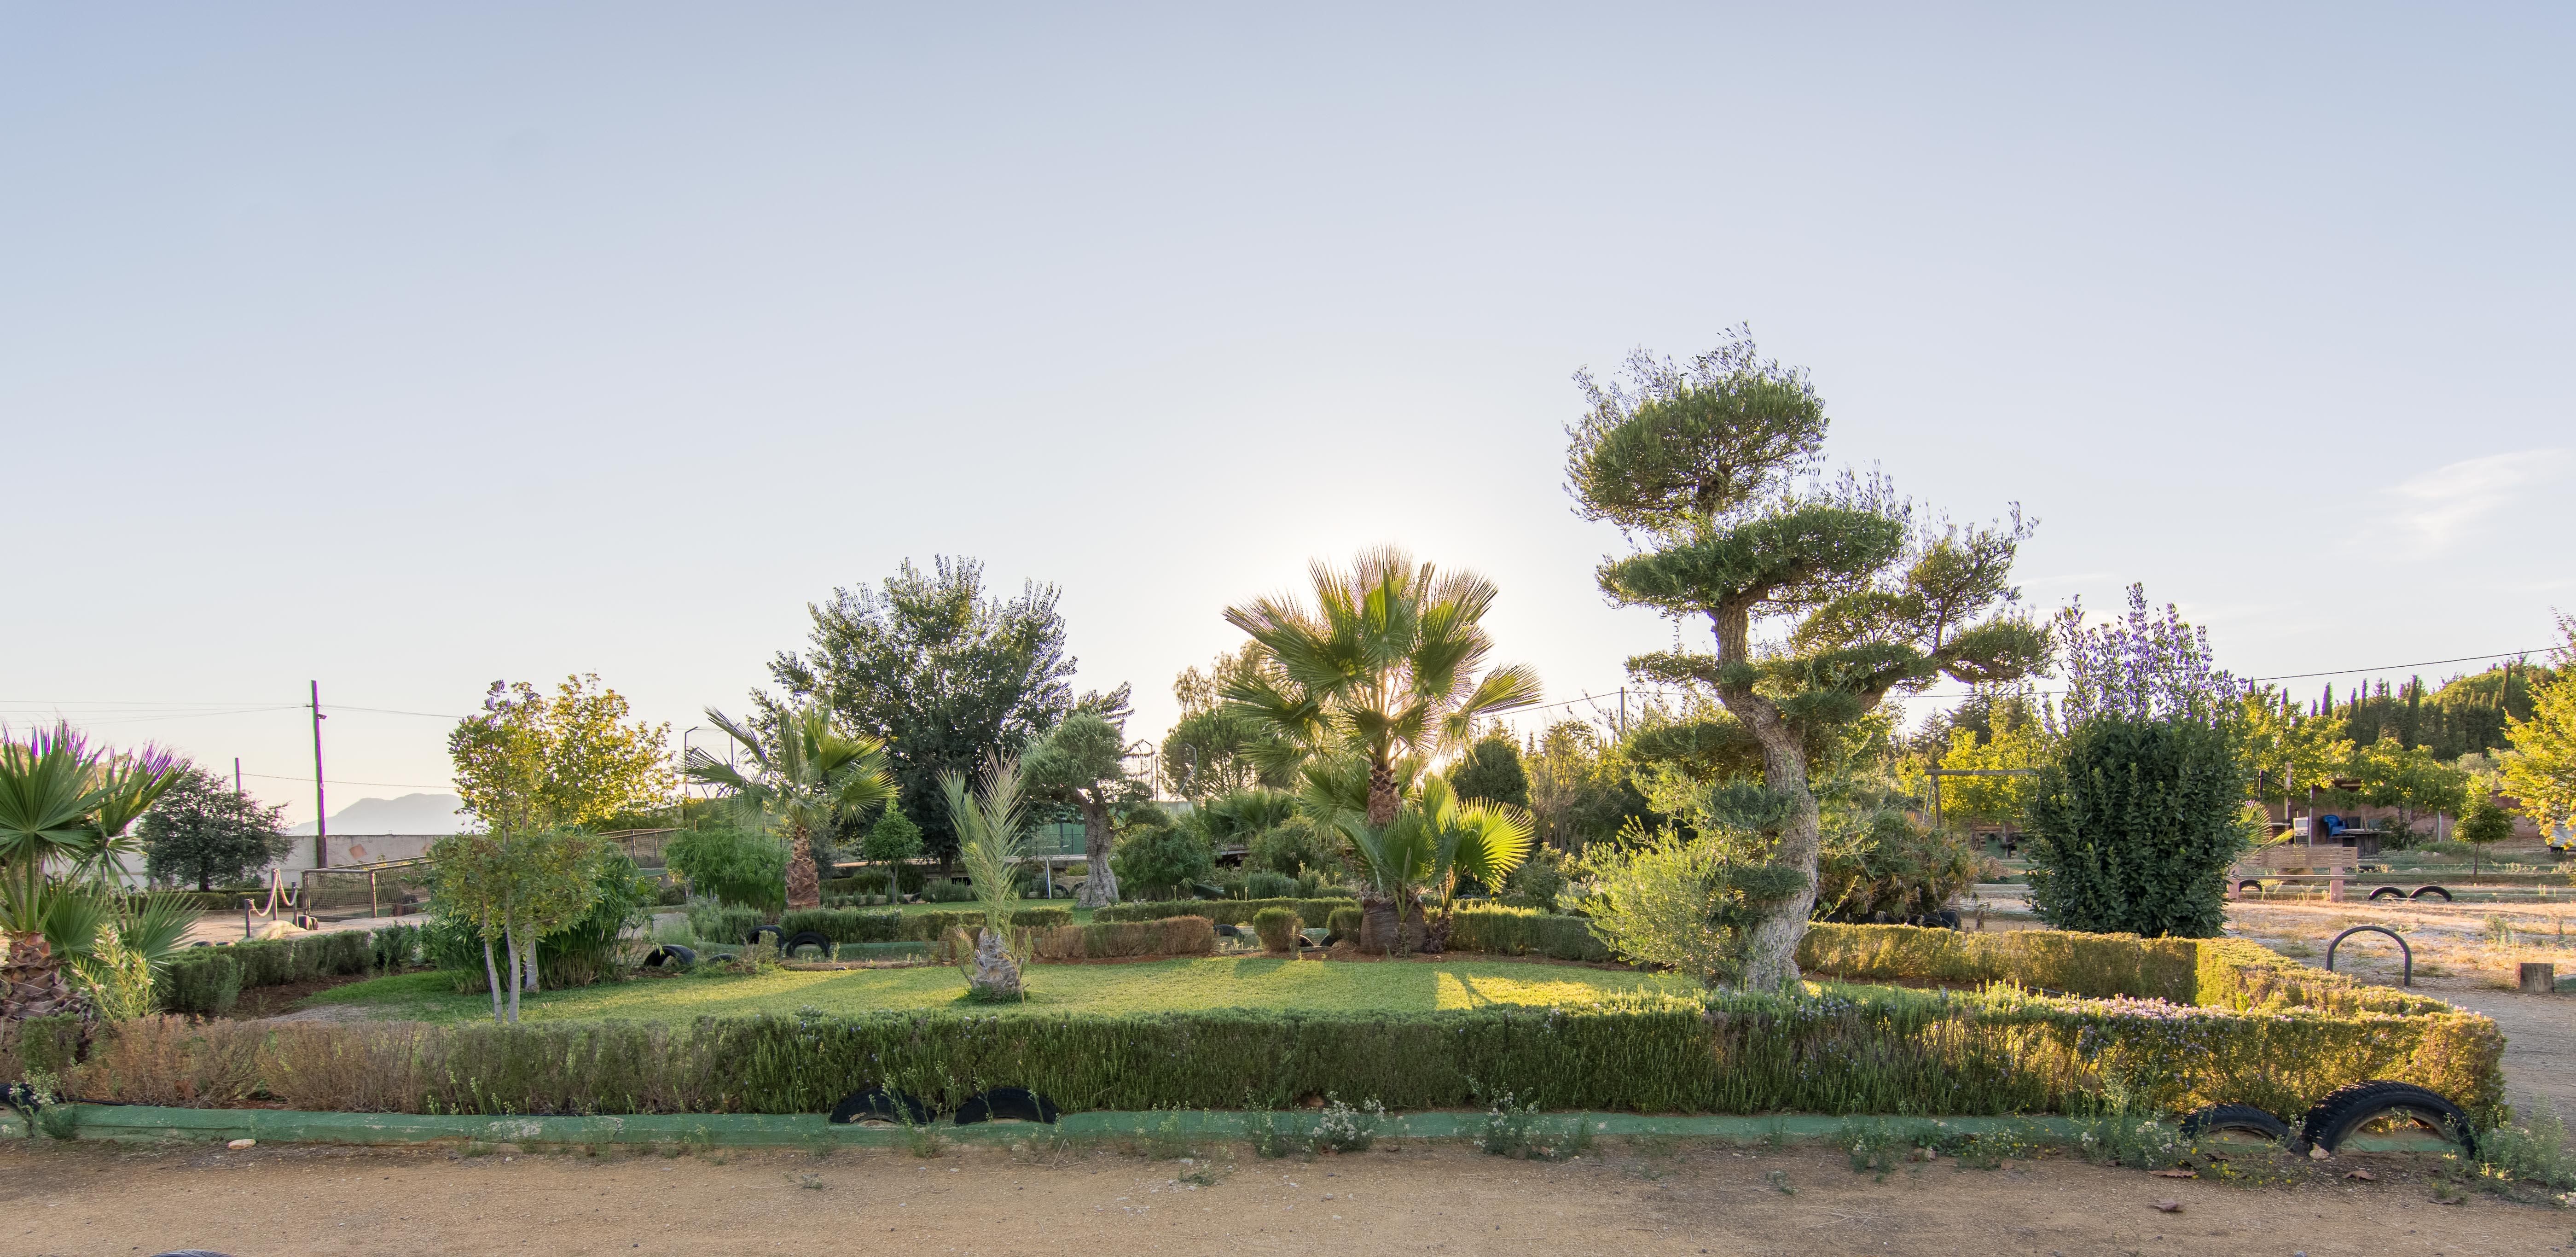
x: 809, y: 776
x: 1384, y: 665
x: 992, y: 846
x: 1434, y: 841
x: 65, y: 813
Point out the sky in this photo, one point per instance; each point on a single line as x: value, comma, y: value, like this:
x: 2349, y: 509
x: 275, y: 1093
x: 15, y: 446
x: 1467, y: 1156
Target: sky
x: 407, y: 349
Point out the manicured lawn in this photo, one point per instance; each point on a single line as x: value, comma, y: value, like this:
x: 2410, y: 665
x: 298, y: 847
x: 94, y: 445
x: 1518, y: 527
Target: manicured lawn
x: 1145, y: 986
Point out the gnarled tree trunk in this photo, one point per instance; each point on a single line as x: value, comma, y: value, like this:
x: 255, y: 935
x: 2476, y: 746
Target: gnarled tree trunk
x: 1771, y: 944
x: 1099, y: 883
x: 991, y: 971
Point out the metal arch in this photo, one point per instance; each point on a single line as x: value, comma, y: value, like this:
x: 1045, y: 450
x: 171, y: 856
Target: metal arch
x: 2402, y: 949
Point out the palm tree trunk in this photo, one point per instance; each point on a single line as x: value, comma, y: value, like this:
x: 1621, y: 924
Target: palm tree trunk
x: 1382, y: 798
x: 32, y: 983
x: 492, y: 974
x: 804, y: 888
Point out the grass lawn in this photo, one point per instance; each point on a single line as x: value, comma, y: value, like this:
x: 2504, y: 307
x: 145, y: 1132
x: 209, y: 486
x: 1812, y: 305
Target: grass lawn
x: 1145, y: 986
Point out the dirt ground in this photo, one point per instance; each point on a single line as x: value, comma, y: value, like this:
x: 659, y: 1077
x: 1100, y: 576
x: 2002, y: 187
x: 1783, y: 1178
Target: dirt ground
x: 90, y: 1199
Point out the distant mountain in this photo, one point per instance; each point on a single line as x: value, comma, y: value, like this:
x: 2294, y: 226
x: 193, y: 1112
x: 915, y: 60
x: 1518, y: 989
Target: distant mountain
x: 410, y: 814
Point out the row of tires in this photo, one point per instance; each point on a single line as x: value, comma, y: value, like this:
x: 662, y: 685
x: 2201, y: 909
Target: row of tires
x: 2344, y: 1112
x: 999, y: 1104
x: 2384, y: 892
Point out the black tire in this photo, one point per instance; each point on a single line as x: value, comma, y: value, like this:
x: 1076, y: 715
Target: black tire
x: 670, y: 954
x: 2242, y: 887
x: 2237, y: 1119
x: 876, y: 1104
x: 808, y: 938
x: 2431, y: 892
x: 1004, y: 1104
x: 2388, y: 892
x: 2351, y: 1106
x: 753, y: 939
x: 1228, y: 931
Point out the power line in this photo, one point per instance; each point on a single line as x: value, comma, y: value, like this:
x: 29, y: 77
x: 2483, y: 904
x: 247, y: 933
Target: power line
x: 400, y: 785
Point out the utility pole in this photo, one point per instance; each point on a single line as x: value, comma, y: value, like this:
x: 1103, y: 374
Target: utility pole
x: 1623, y: 711
x: 321, y: 814
x: 237, y: 790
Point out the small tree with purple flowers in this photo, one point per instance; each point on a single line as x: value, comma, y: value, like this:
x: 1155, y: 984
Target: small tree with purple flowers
x: 2133, y: 825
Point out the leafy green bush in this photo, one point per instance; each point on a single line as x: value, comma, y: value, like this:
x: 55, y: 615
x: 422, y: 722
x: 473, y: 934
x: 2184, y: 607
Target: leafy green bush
x: 1221, y: 911
x: 731, y: 865
x: 1161, y: 860
x: 943, y: 890
x: 576, y: 955
x: 1523, y: 932
x: 277, y: 962
x: 202, y: 981
x: 1343, y: 922
x: 1268, y: 885
x: 842, y: 925
x: 1278, y: 928
x: 2133, y: 827
x: 1891, y: 870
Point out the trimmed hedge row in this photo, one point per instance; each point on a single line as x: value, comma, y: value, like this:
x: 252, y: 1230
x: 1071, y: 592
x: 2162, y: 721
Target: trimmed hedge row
x: 207, y: 980
x: 2210, y: 972
x: 857, y: 925
x: 1101, y: 940
x: 1221, y: 911
x: 1881, y: 1051
x: 1523, y: 932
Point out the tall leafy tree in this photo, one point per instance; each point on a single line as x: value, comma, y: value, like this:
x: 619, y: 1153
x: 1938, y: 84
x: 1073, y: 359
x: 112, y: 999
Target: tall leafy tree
x: 2540, y: 770
x: 1580, y: 787
x: 1384, y: 663
x: 577, y: 757
x: 1080, y: 764
x: 1705, y: 467
x: 805, y: 779
x: 1491, y: 771
x: 1214, y: 749
x: 944, y: 675
x: 203, y: 831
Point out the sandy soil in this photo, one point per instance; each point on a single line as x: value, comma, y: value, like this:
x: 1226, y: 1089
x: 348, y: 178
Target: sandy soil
x: 90, y: 1199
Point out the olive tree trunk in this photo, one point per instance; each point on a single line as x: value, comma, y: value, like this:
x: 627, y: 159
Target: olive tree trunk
x: 1770, y: 944
x: 492, y: 975
x: 1099, y: 883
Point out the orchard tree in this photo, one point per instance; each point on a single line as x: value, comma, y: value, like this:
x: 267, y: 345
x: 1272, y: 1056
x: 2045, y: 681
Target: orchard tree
x: 528, y: 760
x: 1080, y: 763
x: 1491, y: 772
x: 2540, y: 770
x: 204, y: 831
x: 1822, y: 597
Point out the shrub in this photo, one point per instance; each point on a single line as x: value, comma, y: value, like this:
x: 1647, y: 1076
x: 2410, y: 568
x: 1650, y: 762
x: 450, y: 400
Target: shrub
x: 1343, y: 921
x: 1161, y: 859
x: 842, y: 925
x: 1522, y: 932
x: 1278, y: 928
x: 2133, y: 827
x: 1166, y: 936
x: 1222, y: 911
x: 1892, y: 870
x: 945, y: 891
x: 731, y: 865
x: 716, y: 922
x: 1268, y: 885
x: 202, y: 981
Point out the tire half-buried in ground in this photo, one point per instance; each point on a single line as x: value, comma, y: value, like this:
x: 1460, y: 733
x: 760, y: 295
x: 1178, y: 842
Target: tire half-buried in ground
x: 1006, y: 1104
x: 673, y: 955
x: 2353, y: 1106
x: 876, y: 1104
x: 2235, y: 1119
x: 808, y: 938
x: 753, y: 939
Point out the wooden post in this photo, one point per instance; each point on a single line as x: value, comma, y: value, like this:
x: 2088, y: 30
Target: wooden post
x: 2539, y: 978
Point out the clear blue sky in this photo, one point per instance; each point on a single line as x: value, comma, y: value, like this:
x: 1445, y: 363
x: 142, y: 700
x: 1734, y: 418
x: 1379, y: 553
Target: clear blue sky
x: 411, y: 349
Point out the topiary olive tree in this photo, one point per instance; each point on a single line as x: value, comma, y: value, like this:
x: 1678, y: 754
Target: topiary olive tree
x: 1823, y: 596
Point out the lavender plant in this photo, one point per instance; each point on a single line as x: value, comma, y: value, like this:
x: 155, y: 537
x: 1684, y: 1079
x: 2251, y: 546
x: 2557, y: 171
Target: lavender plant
x: 2142, y: 667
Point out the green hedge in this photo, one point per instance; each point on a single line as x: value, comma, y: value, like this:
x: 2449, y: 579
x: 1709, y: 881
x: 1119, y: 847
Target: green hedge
x: 1105, y: 940
x: 202, y: 981
x: 1220, y: 911
x: 857, y: 925
x: 1524, y: 932
x: 1844, y: 1050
